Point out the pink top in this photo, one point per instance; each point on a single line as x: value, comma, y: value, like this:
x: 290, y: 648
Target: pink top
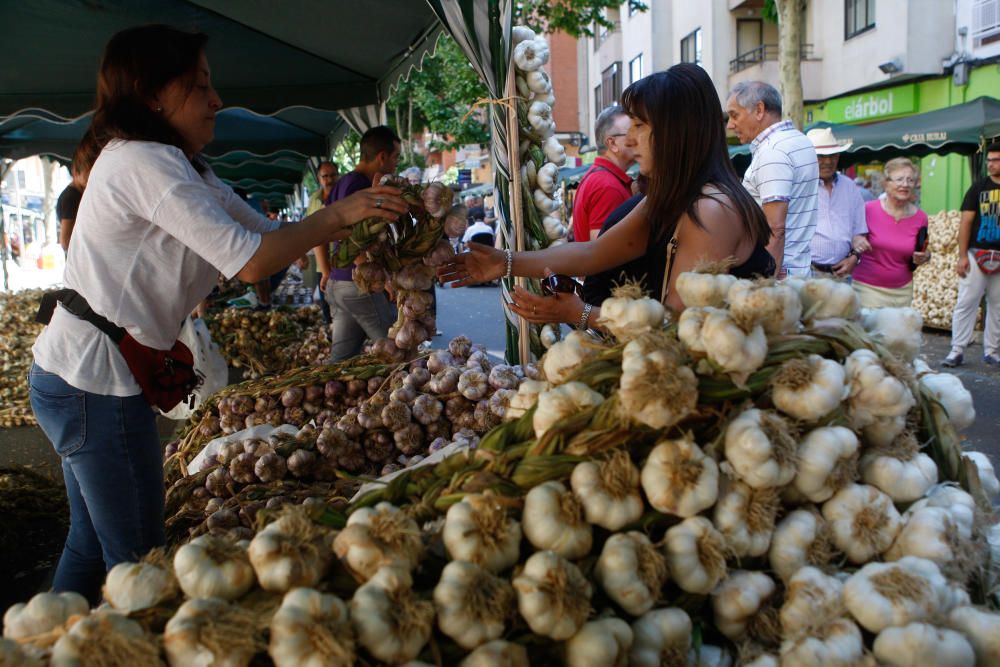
x: 888, y: 263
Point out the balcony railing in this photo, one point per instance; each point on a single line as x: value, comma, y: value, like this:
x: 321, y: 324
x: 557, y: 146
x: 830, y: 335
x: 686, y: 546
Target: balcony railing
x: 760, y: 54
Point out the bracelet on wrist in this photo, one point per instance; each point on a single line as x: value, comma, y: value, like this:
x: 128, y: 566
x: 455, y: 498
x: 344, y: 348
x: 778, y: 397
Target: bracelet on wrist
x: 509, y: 259
x: 585, y: 316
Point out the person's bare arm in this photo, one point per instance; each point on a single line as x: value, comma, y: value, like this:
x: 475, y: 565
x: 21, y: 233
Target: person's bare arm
x: 322, y: 253
x: 776, y: 212
x: 281, y: 247
x: 594, y: 233
x: 620, y: 244
x: 964, y: 238
x: 65, y: 231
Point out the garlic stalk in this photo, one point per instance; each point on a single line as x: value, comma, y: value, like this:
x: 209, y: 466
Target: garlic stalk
x: 801, y: 539
x: 823, y: 298
x: 812, y: 601
x: 563, y: 358
x: 42, y: 613
x: 920, y: 644
x: 133, y: 587
x: 745, y: 516
x: 656, y: 388
x: 378, y: 536
x: 609, y: 491
x: 478, y: 530
x: 827, y: 461
x: 698, y: 289
x: 210, y: 631
x: 391, y: 623
x: 602, y: 643
x: 882, y: 595
x: 552, y: 595
x: 863, y: 521
x: 661, y: 637
x: 472, y: 604
x: 696, y: 555
x: 290, y: 552
x: 107, y: 639
x: 838, y: 643
x: 562, y: 401
x: 809, y: 388
x: 679, y: 478
x: 775, y: 307
x: 982, y: 629
x: 311, y: 629
x: 901, y: 470
x: 742, y: 607
x: 497, y: 653
x: 553, y: 519
x: 631, y: 571
x: 761, y: 447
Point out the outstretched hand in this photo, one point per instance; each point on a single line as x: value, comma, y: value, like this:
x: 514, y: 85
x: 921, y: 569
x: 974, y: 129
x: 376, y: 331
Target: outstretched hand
x: 478, y: 264
x: 560, y: 307
x: 380, y: 201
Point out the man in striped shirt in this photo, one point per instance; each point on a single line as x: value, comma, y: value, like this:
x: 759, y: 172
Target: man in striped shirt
x: 783, y: 176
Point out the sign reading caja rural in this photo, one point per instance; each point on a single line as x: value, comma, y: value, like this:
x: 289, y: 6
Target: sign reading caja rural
x: 872, y: 105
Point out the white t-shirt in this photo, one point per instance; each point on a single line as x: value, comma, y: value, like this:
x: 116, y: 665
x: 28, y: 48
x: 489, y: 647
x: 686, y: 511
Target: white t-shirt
x: 478, y: 227
x: 151, y: 236
x: 784, y: 168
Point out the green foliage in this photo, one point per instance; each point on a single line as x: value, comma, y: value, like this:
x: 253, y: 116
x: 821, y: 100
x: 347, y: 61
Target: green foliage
x: 442, y: 91
x: 574, y: 17
x: 770, y: 11
x: 347, y: 153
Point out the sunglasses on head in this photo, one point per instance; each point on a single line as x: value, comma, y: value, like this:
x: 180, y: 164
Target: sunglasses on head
x: 561, y: 283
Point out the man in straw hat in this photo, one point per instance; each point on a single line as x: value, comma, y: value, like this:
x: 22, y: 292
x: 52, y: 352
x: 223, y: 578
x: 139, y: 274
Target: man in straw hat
x: 841, y: 231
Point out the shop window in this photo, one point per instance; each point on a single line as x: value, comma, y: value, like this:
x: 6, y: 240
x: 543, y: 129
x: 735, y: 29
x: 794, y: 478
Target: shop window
x: 691, y: 48
x: 985, y: 22
x: 859, y: 16
x: 635, y: 69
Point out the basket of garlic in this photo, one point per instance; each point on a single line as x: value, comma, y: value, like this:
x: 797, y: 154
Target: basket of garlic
x: 769, y: 480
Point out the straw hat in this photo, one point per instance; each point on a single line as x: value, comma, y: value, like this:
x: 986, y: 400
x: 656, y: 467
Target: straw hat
x: 825, y: 143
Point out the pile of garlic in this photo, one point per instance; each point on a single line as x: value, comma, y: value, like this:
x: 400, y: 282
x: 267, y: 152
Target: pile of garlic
x: 935, y: 284
x: 540, y: 151
x: 786, y: 514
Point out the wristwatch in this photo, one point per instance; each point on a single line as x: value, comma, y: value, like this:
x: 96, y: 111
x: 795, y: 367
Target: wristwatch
x: 854, y: 251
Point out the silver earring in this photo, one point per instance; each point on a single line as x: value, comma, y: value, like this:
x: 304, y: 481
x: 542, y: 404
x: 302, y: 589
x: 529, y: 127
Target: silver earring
x: 159, y: 109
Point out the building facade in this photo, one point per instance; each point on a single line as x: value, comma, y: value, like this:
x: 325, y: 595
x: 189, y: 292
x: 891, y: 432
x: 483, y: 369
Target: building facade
x: 862, y: 60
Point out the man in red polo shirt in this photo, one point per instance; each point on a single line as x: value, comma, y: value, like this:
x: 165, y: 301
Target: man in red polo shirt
x: 605, y: 186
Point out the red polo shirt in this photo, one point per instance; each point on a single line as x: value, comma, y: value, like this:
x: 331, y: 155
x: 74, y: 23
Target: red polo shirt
x: 601, y: 191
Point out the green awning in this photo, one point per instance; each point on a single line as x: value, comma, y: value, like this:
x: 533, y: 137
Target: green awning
x: 265, y: 56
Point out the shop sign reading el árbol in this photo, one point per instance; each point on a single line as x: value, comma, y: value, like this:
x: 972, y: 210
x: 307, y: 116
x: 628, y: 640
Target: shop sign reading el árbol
x: 872, y: 105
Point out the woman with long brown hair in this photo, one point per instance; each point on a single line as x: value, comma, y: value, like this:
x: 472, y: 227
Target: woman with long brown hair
x: 695, y: 208
x: 154, y: 230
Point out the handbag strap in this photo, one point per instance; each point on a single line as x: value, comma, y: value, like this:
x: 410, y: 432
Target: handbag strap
x: 73, y: 302
x: 671, y: 251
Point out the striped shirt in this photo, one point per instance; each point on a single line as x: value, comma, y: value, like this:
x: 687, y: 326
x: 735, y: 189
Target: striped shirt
x: 840, y: 217
x: 784, y: 168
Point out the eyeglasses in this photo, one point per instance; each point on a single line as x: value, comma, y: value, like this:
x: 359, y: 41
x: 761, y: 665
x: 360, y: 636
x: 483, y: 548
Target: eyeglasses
x: 561, y: 283
x: 905, y: 180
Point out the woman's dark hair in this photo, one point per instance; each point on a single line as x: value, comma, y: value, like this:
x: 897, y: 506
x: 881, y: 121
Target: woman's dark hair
x: 137, y: 64
x: 688, y: 139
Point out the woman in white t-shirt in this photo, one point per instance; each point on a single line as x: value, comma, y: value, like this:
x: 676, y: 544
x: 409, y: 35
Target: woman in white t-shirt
x: 154, y: 229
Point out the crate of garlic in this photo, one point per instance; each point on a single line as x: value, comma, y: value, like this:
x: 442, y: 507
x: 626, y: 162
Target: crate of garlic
x: 768, y: 480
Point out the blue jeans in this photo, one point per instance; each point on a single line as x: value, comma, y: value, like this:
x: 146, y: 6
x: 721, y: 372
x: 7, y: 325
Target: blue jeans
x: 356, y: 316
x: 112, y: 465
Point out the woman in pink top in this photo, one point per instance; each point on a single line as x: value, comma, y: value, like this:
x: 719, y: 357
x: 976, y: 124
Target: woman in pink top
x: 884, y: 277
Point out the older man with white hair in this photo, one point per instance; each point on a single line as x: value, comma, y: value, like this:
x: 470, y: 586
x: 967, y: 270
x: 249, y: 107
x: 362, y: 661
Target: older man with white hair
x: 783, y: 175
x: 841, y: 232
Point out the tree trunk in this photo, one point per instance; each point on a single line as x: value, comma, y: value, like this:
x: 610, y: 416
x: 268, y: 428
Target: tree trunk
x: 409, y: 131
x: 49, y: 202
x: 790, y: 57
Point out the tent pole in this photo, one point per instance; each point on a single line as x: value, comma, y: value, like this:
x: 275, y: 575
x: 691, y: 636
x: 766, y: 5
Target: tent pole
x: 516, y: 209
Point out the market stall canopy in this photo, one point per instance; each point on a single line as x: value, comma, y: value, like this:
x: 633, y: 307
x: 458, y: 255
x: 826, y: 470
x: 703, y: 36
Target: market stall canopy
x: 265, y: 56
x: 962, y: 129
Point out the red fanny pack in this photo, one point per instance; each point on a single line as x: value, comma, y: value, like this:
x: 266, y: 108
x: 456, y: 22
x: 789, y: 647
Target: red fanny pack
x: 988, y: 261
x: 166, y: 377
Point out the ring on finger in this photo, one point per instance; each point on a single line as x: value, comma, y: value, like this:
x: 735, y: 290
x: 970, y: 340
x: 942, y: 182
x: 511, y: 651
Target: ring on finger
x: 378, y: 202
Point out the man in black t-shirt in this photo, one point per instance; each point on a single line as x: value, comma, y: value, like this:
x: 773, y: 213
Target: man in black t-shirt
x: 979, y: 265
